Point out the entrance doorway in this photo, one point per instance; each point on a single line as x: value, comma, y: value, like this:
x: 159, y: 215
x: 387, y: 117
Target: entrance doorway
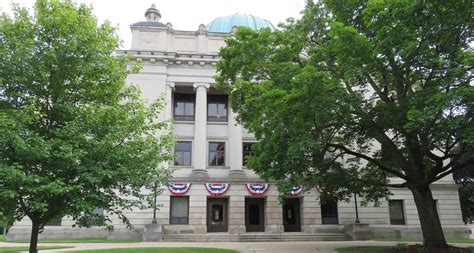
x: 217, y: 214
x: 291, y: 215
x: 255, y: 214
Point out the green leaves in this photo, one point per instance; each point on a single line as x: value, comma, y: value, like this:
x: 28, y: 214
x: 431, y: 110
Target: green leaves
x: 73, y: 136
x: 355, y: 92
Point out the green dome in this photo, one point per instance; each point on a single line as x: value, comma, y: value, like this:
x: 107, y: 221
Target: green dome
x: 225, y: 24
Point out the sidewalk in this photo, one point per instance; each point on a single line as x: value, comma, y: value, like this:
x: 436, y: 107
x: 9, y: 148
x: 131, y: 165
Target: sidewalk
x: 244, y: 247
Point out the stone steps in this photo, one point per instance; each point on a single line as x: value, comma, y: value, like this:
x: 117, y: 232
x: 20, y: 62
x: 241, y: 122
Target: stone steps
x: 255, y: 237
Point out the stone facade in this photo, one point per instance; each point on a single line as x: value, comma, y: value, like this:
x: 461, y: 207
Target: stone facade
x: 184, y: 62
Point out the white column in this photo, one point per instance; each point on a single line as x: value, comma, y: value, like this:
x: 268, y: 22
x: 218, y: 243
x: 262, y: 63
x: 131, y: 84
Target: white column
x: 170, y: 86
x: 235, y: 143
x: 200, y: 129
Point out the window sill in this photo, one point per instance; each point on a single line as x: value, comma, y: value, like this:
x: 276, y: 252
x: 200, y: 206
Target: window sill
x: 218, y: 123
x: 181, y: 166
x: 218, y: 167
x: 189, y: 122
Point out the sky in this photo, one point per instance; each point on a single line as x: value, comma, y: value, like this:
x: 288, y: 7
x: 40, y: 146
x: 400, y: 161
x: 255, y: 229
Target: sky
x: 183, y: 14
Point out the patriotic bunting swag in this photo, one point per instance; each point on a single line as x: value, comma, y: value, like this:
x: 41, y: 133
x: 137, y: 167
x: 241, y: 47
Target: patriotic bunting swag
x: 179, y: 188
x: 257, y: 188
x: 217, y: 189
x: 320, y: 190
x: 295, y: 190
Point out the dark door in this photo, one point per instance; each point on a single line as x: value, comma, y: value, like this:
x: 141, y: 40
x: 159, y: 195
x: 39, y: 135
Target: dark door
x: 291, y: 215
x: 217, y: 219
x: 254, y: 214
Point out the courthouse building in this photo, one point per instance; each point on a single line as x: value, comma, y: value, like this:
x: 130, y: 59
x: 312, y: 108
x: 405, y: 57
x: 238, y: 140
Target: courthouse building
x: 213, y: 195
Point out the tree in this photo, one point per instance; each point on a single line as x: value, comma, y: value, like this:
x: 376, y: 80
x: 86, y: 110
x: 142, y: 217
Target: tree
x: 73, y: 136
x: 358, y: 96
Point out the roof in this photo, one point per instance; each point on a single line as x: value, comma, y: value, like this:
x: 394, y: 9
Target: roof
x: 149, y: 24
x: 226, y: 23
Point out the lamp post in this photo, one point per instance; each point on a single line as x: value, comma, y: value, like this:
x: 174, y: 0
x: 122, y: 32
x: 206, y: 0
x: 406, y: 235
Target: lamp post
x: 154, y: 204
x: 357, y: 221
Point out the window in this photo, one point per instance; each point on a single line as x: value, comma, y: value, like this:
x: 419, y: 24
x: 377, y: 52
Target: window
x: 246, y: 151
x: 216, y: 153
x: 182, y: 152
x: 184, y: 106
x: 54, y: 222
x: 179, y: 210
x: 329, y: 212
x: 217, y: 107
x: 395, y: 209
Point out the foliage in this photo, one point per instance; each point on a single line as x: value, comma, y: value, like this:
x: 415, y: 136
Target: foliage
x: 358, y: 96
x: 73, y: 136
x: 400, y: 246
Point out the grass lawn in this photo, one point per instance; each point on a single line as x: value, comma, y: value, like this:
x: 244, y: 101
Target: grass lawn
x: 162, y: 250
x: 467, y: 240
x: 83, y: 240
x: 24, y: 248
x: 2, y: 238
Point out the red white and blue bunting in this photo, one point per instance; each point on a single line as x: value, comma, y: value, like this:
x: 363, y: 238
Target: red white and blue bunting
x: 319, y: 189
x: 179, y: 188
x: 257, y: 188
x: 296, y: 190
x: 217, y: 189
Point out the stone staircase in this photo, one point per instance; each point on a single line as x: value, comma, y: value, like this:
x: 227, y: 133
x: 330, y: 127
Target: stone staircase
x: 255, y: 237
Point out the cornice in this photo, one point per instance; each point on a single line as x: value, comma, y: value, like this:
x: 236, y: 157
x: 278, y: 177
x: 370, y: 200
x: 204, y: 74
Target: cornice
x: 172, y: 58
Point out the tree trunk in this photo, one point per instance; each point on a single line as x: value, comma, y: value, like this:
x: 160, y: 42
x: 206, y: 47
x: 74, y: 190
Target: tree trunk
x: 35, y: 227
x: 433, y: 235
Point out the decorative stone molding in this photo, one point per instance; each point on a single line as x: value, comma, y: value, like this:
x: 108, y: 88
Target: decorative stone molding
x: 202, y: 29
x: 170, y: 86
x: 197, y: 86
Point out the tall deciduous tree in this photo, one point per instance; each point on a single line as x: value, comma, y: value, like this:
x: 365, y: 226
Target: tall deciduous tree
x: 358, y: 96
x: 73, y: 136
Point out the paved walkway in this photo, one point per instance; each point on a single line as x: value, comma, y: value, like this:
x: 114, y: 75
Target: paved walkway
x: 244, y: 247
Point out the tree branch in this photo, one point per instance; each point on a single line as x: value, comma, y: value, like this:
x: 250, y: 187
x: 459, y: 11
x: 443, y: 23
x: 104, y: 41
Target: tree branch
x: 369, y: 159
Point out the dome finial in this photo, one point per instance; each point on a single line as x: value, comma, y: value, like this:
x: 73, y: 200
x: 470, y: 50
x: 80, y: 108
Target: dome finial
x: 153, y: 14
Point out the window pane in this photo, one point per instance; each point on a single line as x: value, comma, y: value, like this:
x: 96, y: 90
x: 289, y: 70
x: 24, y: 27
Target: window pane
x: 395, y: 208
x: 179, y: 158
x: 329, y: 212
x: 213, y: 146
x: 222, y: 109
x: 212, y: 158
x: 184, y: 106
x: 179, y: 109
x: 54, y: 222
x: 216, y: 153
x: 183, y: 146
x: 212, y: 110
x: 182, y: 151
x: 189, y: 109
x: 187, y: 158
x: 179, y: 210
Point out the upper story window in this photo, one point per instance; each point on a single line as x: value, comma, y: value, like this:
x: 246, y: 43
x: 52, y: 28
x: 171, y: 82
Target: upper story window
x: 184, y: 106
x: 216, y: 153
x: 217, y: 108
x: 182, y: 152
x: 246, y: 151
